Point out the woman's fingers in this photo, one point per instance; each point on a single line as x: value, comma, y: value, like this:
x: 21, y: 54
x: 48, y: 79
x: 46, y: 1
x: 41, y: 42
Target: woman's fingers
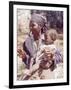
x: 21, y: 53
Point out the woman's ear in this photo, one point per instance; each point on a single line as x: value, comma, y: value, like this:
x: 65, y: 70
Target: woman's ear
x: 39, y: 28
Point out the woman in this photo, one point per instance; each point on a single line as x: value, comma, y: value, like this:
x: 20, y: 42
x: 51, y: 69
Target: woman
x: 33, y: 42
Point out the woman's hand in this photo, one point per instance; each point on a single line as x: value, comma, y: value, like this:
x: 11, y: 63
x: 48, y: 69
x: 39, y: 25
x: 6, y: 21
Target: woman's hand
x: 21, y: 53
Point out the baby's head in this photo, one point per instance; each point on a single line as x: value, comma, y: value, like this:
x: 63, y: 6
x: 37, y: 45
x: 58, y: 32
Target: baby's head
x: 50, y: 36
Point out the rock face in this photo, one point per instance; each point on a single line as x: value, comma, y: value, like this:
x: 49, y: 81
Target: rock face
x: 23, y: 20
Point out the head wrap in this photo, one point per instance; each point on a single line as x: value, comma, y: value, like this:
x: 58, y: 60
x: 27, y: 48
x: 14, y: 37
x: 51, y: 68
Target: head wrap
x: 40, y: 20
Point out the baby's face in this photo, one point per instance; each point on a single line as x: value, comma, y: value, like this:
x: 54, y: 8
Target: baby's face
x: 48, y: 39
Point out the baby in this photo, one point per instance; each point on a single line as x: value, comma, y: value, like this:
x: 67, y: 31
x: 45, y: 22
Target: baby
x: 50, y: 37
x: 48, y: 44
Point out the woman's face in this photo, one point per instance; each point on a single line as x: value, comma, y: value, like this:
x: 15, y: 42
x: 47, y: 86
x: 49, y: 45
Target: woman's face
x: 35, y: 29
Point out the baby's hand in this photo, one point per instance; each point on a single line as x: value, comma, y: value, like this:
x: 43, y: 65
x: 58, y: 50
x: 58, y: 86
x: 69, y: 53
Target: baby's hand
x: 50, y: 56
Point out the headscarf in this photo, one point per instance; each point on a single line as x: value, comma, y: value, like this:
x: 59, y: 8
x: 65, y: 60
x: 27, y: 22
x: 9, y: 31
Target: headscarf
x: 40, y: 20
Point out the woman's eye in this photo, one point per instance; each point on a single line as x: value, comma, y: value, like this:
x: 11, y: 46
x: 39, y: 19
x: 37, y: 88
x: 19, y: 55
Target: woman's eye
x: 33, y: 25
